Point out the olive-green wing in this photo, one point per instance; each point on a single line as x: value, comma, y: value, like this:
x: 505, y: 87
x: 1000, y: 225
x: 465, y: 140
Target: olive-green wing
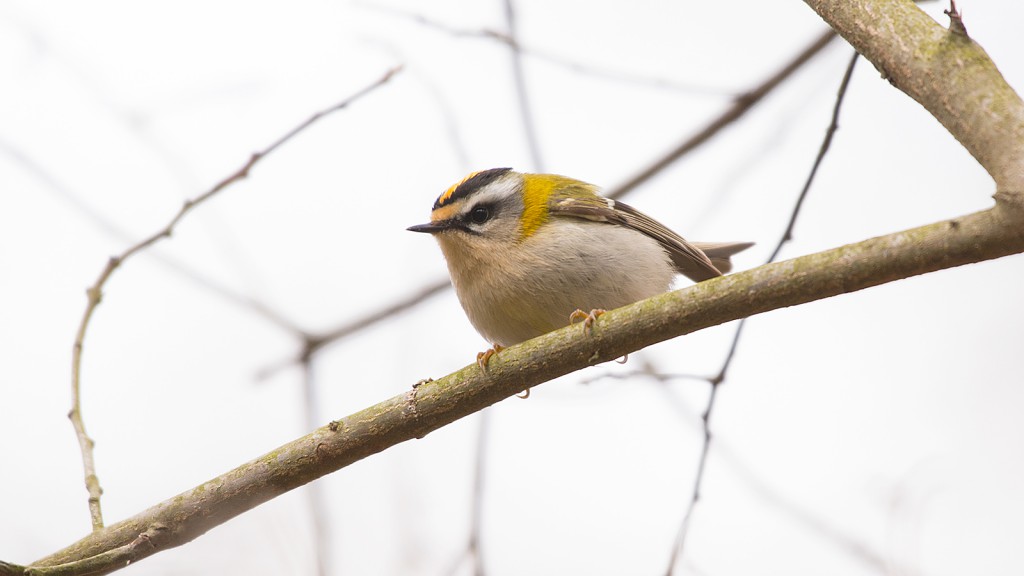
x: 688, y: 259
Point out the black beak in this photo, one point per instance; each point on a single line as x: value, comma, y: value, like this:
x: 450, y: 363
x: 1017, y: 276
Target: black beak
x: 429, y: 228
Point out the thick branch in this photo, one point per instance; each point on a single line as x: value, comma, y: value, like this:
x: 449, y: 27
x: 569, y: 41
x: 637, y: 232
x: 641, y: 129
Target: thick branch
x: 981, y: 236
x: 947, y: 73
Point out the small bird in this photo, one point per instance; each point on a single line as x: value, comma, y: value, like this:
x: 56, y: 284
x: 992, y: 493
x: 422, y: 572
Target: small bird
x: 527, y: 253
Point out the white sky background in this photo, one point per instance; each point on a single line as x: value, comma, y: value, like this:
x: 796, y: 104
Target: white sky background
x: 890, y: 417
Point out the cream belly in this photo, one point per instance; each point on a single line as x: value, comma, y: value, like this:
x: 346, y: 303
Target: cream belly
x: 542, y: 279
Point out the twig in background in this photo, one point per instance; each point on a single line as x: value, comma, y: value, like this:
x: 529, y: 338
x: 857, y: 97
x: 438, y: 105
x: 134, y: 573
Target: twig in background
x: 471, y: 551
x: 314, y: 492
x: 720, y: 377
x: 95, y: 292
x: 588, y: 69
x: 740, y: 107
x: 522, y: 94
x: 749, y: 101
x: 111, y: 228
x: 317, y: 342
x: 429, y: 405
x: 312, y: 344
x: 800, y: 515
x: 477, y: 505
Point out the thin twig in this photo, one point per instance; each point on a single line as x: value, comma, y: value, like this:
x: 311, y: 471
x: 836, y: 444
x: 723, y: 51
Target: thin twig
x: 477, y: 504
x: 660, y: 377
x: 95, y: 292
x: 803, y: 517
x: 522, y: 94
x: 471, y: 552
x: 956, y: 20
x: 825, y: 145
x: 313, y: 343
x: 754, y: 96
x: 314, y: 490
x: 111, y: 228
x: 716, y: 380
x: 372, y: 318
x: 741, y: 106
x: 621, y: 76
x: 141, y: 546
x: 984, y: 235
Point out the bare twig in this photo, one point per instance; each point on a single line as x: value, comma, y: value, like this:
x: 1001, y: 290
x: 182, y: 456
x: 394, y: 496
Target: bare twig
x: 956, y: 20
x: 720, y: 377
x: 659, y: 376
x: 372, y: 318
x: 477, y: 505
x: 741, y: 106
x: 314, y: 492
x: 622, y: 76
x: 522, y: 94
x: 95, y: 292
x: 825, y: 145
x: 143, y: 545
x: 313, y: 343
x: 949, y: 74
x: 471, y: 551
x: 984, y: 235
x: 76, y: 202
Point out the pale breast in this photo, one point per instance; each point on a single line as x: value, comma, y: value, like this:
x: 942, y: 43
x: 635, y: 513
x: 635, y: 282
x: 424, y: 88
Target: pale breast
x: 533, y: 286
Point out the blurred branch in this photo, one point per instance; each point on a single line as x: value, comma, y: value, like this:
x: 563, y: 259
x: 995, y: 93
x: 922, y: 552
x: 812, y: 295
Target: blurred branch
x: 994, y: 135
x: 477, y: 504
x: 313, y: 343
x: 95, y: 292
x: 947, y: 73
x: 716, y: 380
x: 803, y: 517
x: 430, y: 405
x: 471, y: 551
x: 76, y: 202
x: 741, y: 106
x: 992, y: 130
x: 314, y: 493
x: 317, y: 342
x: 622, y: 76
x: 522, y: 94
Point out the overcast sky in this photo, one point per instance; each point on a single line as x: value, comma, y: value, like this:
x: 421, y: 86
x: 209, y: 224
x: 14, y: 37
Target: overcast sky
x: 874, y: 432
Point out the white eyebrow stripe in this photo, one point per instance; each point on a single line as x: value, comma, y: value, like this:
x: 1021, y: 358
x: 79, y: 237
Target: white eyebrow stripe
x: 495, y: 192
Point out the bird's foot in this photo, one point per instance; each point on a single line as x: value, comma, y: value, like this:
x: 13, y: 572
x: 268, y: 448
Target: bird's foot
x: 588, y: 318
x: 482, y: 358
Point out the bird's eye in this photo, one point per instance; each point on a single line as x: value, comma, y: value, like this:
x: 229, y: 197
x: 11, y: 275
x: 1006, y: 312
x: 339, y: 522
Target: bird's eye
x: 480, y: 214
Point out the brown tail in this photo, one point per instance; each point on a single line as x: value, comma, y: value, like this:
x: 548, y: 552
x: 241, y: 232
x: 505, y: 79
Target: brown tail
x: 719, y: 252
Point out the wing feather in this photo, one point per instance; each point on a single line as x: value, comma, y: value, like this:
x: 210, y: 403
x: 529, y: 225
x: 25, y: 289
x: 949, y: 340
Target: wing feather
x: 687, y: 258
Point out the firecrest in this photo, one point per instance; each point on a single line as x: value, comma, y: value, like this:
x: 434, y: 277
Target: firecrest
x: 525, y: 251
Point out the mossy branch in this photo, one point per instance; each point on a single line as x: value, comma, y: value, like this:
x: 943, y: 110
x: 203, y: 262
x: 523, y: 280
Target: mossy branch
x: 981, y: 236
x: 945, y: 71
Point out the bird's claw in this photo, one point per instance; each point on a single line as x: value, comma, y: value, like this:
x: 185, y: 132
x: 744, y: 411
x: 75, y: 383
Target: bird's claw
x: 588, y: 318
x: 482, y: 358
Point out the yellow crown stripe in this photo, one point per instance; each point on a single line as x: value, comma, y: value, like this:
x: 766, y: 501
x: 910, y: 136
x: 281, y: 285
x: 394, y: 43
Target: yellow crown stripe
x: 448, y: 193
